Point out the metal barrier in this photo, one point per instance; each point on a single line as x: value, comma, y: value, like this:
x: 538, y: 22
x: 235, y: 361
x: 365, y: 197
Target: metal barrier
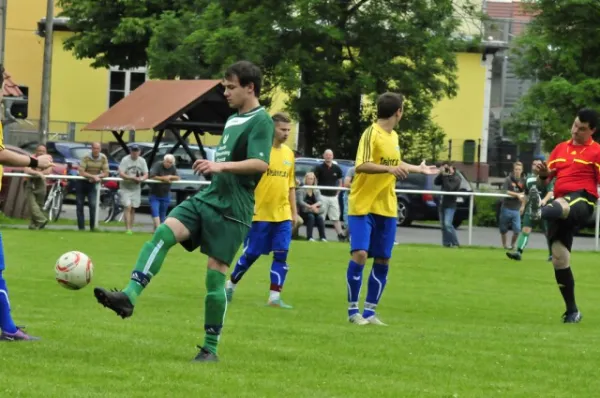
x: 324, y: 188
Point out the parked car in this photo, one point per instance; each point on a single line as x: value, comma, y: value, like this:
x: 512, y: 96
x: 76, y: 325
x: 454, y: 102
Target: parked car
x: 61, y: 152
x: 183, y: 162
x: 424, y: 207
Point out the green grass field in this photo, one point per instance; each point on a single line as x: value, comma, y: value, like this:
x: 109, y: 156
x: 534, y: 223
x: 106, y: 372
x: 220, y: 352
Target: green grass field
x: 463, y: 323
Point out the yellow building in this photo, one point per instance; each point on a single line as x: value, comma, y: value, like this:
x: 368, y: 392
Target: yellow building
x: 80, y: 93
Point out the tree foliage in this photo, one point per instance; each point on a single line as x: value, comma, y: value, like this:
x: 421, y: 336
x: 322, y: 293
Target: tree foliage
x: 324, y: 54
x: 559, y: 51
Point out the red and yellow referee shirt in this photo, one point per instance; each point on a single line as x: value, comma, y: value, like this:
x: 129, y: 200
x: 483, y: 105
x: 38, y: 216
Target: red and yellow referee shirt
x: 576, y: 167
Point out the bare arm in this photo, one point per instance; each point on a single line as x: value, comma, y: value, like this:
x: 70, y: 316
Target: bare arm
x: 10, y: 158
x: 292, y: 196
x: 125, y: 176
x: 372, y: 168
x: 32, y: 172
x: 244, y: 167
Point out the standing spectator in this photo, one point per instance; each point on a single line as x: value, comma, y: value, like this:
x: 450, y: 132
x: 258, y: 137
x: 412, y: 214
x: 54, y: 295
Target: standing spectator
x: 309, y: 202
x: 330, y: 174
x: 133, y: 170
x: 511, y: 209
x: 347, y: 184
x: 160, y: 194
x: 35, y: 188
x: 450, y: 182
x: 93, y: 167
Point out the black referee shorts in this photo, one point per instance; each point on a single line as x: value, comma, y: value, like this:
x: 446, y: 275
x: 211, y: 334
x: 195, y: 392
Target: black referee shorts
x: 582, y: 207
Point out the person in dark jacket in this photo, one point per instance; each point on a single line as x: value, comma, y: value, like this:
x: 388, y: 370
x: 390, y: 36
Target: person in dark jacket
x: 450, y: 182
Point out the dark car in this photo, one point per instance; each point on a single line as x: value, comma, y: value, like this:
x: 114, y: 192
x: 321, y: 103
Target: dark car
x: 424, y: 207
x: 62, y: 152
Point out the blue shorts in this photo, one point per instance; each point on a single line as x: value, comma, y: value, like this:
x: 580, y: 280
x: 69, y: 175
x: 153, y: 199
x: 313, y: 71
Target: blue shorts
x: 265, y: 237
x: 372, y: 233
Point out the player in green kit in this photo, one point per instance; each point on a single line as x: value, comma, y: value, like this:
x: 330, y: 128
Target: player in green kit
x: 533, y: 216
x: 218, y: 218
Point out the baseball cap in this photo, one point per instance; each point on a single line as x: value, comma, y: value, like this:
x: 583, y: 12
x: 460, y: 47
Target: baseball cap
x: 134, y: 147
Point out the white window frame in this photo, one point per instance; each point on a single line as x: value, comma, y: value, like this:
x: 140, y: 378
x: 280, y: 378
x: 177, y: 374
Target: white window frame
x: 128, y: 73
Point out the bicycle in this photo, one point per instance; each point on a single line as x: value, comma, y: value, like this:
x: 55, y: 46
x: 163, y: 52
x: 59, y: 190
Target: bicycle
x: 54, y: 201
x: 110, y: 199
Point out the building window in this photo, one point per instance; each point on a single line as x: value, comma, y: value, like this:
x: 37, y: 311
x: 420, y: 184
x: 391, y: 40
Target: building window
x: 123, y: 82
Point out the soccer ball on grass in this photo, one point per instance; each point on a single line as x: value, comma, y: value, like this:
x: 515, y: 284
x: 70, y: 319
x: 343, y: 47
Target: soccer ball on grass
x: 74, y: 270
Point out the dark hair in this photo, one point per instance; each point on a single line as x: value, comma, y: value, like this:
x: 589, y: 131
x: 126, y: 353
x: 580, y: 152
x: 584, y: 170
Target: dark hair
x: 1, y: 74
x: 281, y: 117
x: 246, y: 73
x: 388, y: 104
x: 589, y: 116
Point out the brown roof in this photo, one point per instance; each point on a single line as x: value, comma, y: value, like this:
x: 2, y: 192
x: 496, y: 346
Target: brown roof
x: 152, y: 105
x: 11, y: 89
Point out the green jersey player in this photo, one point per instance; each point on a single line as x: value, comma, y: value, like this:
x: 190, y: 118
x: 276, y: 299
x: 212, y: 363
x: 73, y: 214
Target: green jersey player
x: 216, y: 219
x: 530, y: 216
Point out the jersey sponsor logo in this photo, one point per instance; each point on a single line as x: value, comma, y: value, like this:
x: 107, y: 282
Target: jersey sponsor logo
x: 389, y: 161
x: 277, y: 173
x: 225, y: 138
x: 287, y: 163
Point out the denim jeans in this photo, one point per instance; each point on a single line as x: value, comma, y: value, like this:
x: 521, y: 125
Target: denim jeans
x: 449, y: 237
x: 85, y: 189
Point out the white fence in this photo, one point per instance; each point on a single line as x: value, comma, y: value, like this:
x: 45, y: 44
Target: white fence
x: 326, y: 188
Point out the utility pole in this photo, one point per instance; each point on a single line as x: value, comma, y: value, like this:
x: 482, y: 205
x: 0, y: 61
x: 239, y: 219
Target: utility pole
x: 47, y: 73
x: 2, y: 29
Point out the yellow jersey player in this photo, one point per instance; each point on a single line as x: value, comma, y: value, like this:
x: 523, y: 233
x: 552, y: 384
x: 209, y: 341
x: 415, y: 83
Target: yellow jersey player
x: 274, y: 212
x: 11, y: 332
x: 373, y: 210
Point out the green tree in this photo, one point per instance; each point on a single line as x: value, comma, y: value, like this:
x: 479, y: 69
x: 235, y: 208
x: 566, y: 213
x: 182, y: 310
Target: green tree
x: 558, y: 50
x: 332, y: 52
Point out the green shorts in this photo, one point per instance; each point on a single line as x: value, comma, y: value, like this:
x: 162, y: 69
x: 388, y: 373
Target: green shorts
x: 216, y: 235
x: 526, y: 221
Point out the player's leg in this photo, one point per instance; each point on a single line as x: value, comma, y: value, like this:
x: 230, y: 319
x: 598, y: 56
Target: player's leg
x: 361, y: 227
x: 516, y: 227
x: 221, y: 250
x: 10, y: 332
x: 180, y: 227
x: 523, y: 238
x: 382, y: 243
x: 562, y: 241
x: 544, y: 225
x: 257, y: 243
x: 281, y: 238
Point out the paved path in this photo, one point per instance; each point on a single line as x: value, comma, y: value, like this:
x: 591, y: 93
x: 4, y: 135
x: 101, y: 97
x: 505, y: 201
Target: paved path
x: 420, y: 233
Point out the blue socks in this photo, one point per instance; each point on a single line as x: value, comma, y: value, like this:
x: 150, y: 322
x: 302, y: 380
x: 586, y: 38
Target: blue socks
x: 377, y: 282
x: 354, y: 281
x: 279, y: 270
x: 242, y: 266
x: 6, y: 322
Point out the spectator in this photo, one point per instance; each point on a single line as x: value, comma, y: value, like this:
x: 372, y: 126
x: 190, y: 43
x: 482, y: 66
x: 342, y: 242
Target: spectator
x: 133, y: 170
x: 450, y: 182
x: 93, y: 167
x: 511, y: 209
x: 330, y: 174
x: 309, y: 204
x: 160, y: 194
x: 347, y: 183
x: 35, y: 188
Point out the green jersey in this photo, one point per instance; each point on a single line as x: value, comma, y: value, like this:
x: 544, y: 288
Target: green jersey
x: 246, y: 136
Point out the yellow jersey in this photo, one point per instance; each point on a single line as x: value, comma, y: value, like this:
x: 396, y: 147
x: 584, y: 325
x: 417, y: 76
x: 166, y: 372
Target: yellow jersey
x: 272, y: 194
x: 374, y: 193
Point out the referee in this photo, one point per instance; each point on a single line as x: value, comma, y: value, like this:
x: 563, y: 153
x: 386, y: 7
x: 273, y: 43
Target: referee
x: 576, y: 165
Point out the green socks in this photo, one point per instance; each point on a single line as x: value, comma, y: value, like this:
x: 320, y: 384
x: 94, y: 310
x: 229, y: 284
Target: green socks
x: 215, y: 306
x: 522, y: 241
x: 150, y: 261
